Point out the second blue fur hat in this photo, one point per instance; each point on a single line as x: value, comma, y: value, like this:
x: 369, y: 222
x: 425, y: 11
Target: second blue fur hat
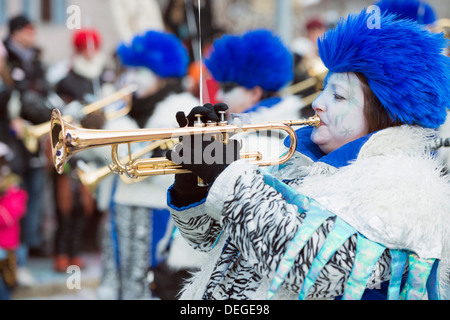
x: 403, y: 62
x: 161, y: 52
x: 419, y: 11
x: 256, y: 58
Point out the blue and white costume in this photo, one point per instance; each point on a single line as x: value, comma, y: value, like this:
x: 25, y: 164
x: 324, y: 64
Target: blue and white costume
x: 361, y: 185
x: 368, y: 220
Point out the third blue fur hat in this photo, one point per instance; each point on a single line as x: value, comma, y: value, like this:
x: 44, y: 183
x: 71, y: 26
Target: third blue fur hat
x: 403, y: 62
x: 161, y: 52
x: 256, y: 58
x: 418, y: 11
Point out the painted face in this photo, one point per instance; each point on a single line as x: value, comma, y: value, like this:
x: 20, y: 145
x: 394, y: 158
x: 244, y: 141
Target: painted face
x: 340, y: 107
x: 145, y: 79
x: 238, y: 98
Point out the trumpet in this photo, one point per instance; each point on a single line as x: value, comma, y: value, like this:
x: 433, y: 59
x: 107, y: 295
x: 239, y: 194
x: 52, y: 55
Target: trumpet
x: 317, y: 73
x: 442, y: 25
x: 32, y: 134
x: 67, y: 140
x: 92, y: 179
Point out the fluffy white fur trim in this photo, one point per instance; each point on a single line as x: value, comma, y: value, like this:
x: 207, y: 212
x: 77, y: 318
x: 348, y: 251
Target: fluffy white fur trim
x: 287, y: 109
x: 394, y: 194
x: 164, y: 114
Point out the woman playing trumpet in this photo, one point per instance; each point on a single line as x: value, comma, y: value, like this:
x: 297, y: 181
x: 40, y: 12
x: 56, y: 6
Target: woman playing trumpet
x: 360, y: 203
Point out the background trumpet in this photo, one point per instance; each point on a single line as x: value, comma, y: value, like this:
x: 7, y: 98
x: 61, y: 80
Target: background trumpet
x: 32, y: 134
x: 91, y: 179
x: 66, y: 140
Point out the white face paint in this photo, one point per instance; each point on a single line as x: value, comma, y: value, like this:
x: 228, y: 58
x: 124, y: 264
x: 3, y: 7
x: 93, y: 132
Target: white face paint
x: 144, y: 78
x: 340, y: 107
x: 238, y: 99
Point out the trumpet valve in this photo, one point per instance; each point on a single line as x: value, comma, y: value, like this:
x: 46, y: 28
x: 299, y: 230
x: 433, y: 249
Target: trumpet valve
x: 222, y: 121
x: 198, y: 122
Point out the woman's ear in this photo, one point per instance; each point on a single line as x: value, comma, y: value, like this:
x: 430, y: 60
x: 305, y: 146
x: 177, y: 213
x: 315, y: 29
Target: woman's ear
x: 256, y: 94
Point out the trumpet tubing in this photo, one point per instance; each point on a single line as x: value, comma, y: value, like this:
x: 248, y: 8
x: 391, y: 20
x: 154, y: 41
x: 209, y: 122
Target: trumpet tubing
x: 92, y: 178
x: 67, y: 140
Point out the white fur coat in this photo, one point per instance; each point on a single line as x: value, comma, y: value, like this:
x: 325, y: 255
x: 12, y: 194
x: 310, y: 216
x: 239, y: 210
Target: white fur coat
x: 393, y: 193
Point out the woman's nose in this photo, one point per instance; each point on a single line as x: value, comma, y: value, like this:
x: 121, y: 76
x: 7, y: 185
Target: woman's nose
x: 318, y: 107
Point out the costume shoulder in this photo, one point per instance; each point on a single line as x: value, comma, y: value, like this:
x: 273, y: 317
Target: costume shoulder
x: 288, y: 108
x: 394, y: 193
x: 165, y: 111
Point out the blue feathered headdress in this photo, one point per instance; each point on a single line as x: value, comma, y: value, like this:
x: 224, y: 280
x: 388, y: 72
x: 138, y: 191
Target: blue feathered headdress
x: 418, y: 11
x: 161, y: 52
x: 402, y: 61
x: 256, y: 58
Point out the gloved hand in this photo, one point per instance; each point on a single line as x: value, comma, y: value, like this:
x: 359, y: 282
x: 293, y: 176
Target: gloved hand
x: 208, y: 111
x: 203, y: 155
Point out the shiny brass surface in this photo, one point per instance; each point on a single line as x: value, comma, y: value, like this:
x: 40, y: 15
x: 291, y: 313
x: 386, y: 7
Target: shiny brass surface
x: 67, y: 140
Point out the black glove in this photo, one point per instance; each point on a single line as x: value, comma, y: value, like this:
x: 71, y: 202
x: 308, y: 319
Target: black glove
x: 204, y: 155
x: 209, y: 112
x: 186, y: 186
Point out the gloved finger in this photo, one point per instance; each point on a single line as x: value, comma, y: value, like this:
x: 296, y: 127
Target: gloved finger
x: 175, y: 154
x: 207, y: 114
x: 208, y: 106
x: 181, y: 119
x: 169, y: 155
x: 220, y: 107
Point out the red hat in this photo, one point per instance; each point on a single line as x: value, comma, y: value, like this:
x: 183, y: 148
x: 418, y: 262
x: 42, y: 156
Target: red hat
x: 315, y: 23
x: 85, y: 38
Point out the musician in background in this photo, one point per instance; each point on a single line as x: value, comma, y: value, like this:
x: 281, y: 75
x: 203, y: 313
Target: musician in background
x: 74, y: 205
x: 251, y: 69
x: 423, y: 13
x: 307, y: 62
x: 417, y: 10
x: 139, y: 233
x: 362, y: 205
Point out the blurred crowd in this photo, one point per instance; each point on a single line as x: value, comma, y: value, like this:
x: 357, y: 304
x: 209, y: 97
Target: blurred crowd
x: 157, y: 66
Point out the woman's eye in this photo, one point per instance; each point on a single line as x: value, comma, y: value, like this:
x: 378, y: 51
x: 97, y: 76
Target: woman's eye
x: 338, y: 97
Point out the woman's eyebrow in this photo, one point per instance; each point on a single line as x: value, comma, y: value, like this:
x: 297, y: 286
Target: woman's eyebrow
x: 334, y: 86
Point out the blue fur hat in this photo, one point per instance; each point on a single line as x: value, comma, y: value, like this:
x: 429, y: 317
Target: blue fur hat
x: 256, y: 58
x: 418, y: 11
x: 161, y: 52
x: 402, y: 61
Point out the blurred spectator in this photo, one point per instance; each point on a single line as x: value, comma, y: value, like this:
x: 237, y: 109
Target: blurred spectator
x: 27, y: 71
x: 8, y: 133
x: 13, y: 201
x: 135, y: 16
x: 182, y: 20
x: 28, y: 80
